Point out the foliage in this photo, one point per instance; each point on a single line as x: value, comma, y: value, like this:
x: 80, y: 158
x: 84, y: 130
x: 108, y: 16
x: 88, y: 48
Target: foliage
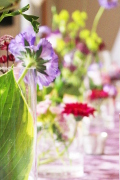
x: 16, y: 131
x: 31, y: 18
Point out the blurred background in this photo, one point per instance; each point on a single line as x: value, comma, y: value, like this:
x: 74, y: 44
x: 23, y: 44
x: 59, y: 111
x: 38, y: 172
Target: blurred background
x: 108, y: 28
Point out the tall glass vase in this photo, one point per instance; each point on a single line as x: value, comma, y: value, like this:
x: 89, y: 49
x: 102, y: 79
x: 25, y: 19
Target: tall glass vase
x: 18, y: 159
x: 61, y: 159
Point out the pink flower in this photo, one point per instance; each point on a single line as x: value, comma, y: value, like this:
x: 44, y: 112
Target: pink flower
x: 42, y: 107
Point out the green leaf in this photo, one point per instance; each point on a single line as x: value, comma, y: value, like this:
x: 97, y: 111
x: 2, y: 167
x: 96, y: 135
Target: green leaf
x: 16, y: 131
x: 26, y: 42
x: 27, y: 49
x: 38, y: 52
x: 33, y: 21
x: 23, y: 53
x: 35, y: 25
x: 29, y: 17
x: 42, y: 61
x: 13, y: 13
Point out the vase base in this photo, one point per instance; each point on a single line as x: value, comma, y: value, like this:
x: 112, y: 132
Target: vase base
x: 58, y: 173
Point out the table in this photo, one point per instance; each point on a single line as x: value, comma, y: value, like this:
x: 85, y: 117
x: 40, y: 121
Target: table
x: 105, y: 167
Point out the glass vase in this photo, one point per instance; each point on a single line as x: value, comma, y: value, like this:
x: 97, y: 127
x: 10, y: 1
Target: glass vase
x: 96, y: 127
x: 18, y: 159
x: 94, y: 136
x: 61, y: 159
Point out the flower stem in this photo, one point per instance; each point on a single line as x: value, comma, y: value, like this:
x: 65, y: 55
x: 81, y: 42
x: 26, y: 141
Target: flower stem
x: 97, y: 18
x: 47, y: 161
x: 24, y: 73
x: 7, y: 58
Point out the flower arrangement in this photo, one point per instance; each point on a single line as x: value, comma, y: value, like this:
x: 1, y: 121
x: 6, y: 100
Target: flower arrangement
x: 76, y: 46
x: 100, y: 91
x: 60, y: 137
x: 38, y: 64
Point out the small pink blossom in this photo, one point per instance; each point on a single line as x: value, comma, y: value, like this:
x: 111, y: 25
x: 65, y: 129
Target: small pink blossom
x: 56, y: 109
x: 43, y: 106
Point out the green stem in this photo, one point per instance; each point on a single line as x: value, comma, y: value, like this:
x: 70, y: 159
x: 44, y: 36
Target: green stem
x: 88, y: 62
x: 97, y: 18
x: 24, y: 73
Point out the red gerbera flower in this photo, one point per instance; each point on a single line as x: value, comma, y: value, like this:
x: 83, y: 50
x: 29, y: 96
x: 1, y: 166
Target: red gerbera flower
x: 78, y: 109
x: 98, y: 94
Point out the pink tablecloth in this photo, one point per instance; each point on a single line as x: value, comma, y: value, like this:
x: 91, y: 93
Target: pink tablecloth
x: 105, y: 167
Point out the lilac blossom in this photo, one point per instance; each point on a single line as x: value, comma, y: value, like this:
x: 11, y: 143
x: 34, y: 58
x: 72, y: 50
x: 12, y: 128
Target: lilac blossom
x: 51, y: 66
x: 108, y: 4
x: 40, y: 56
x: 17, y: 45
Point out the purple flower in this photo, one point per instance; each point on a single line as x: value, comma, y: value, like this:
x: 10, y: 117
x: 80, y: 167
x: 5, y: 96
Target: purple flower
x: 17, y: 45
x: 108, y: 4
x: 51, y: 72
x: 40, y: 56
x: 44, y: 31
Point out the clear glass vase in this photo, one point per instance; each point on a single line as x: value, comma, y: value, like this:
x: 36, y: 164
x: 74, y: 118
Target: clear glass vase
x: 61, y: 159
x: 18, y: 159
x: 96, y: 127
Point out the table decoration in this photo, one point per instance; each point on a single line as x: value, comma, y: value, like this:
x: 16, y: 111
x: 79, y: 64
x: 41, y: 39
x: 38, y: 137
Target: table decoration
x: 76, y: 46
x: 101, y: 93
x: 60, y: 129
x: 60, y: 152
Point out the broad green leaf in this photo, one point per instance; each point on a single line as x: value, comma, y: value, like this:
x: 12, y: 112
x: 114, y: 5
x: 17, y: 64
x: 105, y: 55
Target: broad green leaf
x: 16, y: 131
